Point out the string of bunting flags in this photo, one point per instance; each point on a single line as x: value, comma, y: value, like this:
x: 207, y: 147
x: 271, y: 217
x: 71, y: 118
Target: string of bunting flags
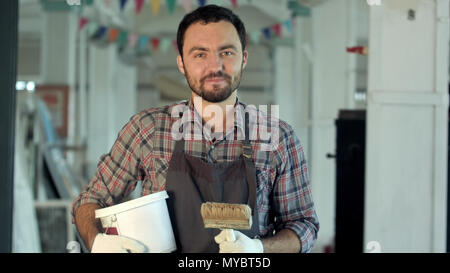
x: 156, y: 4
x: 148, y: 44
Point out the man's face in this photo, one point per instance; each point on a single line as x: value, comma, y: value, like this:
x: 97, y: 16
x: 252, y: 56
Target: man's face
x: 212, y: 60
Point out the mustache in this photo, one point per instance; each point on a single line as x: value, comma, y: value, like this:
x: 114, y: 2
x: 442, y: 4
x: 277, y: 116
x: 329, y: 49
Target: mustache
x: 218, y: 74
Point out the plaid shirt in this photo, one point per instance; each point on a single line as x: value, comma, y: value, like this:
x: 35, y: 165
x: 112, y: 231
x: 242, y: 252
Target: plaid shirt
x: 145, y: 144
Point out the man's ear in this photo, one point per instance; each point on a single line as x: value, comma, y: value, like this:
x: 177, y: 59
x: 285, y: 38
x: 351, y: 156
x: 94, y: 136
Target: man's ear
x: 244, y: 59
x: 180, y: 64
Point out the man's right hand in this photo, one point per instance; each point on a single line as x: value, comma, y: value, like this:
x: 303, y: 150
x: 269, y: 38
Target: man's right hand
x: 104, y: 243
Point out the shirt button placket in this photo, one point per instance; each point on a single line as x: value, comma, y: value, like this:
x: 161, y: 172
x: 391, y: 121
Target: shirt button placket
x: 211, y: 154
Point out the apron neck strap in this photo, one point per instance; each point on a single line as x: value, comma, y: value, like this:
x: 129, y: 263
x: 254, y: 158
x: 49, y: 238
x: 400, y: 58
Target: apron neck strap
x: 179, y: 145
x: 247, y: 153
x: 247, y: 150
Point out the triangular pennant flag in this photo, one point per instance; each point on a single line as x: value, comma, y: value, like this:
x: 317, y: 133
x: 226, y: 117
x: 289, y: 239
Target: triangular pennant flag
x: 164, y: 45
x: 171, y: 5
x: 82, y: 23
x: 201, y: 3
x: 112, y: 35
x: 187, y: 4
x: 234, y: 3
x: 155, y: 44
x: 92, y: 28
x: 266, y: 32
x: 277, y: 29
x: 138, y: 5
x: 254, y: 36
x: 288, y: 25
x: 132, y: 40
x: 123, y: 36
x: 143, y: 43
x: 100, y: 32
x: 122, y: 4
x: 156, y: 4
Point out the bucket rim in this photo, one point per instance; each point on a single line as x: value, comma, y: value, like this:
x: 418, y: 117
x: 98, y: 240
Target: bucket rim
x: 132, y: 204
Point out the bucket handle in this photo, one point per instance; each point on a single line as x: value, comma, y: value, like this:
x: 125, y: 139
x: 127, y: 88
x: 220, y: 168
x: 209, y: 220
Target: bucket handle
x: 110, y: 230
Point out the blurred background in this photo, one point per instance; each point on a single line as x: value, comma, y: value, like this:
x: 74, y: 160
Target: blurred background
x: 364, y: 83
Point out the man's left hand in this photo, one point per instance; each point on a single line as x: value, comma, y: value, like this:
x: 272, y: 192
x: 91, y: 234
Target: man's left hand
x: 242, y: 244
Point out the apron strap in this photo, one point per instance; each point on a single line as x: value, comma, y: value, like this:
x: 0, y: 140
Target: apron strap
x: 251, y: 180
x: 179, y: 144
x: 247, y: 153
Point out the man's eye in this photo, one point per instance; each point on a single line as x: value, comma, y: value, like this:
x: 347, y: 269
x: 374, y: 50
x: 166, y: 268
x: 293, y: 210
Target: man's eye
x: 227, y: 53
x: 199, y: 55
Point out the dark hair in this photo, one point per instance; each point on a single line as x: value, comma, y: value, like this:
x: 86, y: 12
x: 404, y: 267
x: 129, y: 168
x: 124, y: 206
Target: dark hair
x: 208, y: 14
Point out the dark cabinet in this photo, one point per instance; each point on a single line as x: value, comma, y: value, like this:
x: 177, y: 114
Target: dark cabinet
x: 350, y: 158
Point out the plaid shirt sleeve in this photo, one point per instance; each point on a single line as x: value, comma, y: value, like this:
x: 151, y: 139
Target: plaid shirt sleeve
x: 117, y: 172
x: 292, y: 197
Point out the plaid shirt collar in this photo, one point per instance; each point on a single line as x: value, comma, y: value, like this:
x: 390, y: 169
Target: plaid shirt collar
x: 193, y: 117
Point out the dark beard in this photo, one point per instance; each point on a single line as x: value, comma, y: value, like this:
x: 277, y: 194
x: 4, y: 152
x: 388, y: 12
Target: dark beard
x: 217, y: 94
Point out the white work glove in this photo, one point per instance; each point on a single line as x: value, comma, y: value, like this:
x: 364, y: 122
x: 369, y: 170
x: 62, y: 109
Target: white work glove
x: 239, y: 244
x: 104, y: 243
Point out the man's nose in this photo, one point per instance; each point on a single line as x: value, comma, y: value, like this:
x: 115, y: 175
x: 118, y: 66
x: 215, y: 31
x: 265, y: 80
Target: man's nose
x: 215, y: 63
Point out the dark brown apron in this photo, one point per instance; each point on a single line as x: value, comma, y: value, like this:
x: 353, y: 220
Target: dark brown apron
x: 190, y: 181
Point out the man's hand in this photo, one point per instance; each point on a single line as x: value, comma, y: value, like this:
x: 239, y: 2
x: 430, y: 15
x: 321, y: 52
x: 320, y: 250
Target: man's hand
x: 242, y: 243
x: 116, y: 244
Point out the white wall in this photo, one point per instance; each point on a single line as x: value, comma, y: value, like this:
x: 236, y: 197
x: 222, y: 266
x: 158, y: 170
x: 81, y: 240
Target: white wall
x: 407, y: 119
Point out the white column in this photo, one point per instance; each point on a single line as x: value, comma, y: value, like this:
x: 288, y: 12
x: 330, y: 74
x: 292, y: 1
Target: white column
x: 283, y: 84
x: 329, y: 94
x: 125, y: 93
x: 82, y: 86
x: 301, y: 79
x: 406, y: 145
x: 352, y: 72
x: 111, y: 100
x: 101, y: 133
x: 58, y: 55
x: 58, y: 47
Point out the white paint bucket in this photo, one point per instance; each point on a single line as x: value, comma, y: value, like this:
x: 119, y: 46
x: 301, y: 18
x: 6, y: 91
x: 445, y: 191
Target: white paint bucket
x: 145, y: 219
